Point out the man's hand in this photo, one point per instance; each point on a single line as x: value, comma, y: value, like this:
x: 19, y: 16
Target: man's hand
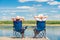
x: 22, y: 18
x: 13, y: 19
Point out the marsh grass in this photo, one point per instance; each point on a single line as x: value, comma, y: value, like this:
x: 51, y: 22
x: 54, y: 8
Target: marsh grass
x: 30, y: 22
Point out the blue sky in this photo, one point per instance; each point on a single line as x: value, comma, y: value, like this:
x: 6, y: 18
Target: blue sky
x: 29, y: 9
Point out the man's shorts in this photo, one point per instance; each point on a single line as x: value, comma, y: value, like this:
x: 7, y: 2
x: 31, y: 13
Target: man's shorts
x: 20, y: 31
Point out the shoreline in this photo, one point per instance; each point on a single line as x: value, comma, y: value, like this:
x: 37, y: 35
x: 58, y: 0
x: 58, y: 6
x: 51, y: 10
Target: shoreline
x: 30, y: 24
x: 7, y: 38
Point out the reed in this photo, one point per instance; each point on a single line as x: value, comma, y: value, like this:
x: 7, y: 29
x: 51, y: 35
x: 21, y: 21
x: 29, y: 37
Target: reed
x: 31, y: 22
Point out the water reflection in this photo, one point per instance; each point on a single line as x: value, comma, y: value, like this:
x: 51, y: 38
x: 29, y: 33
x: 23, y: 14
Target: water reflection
x: 53, y: 32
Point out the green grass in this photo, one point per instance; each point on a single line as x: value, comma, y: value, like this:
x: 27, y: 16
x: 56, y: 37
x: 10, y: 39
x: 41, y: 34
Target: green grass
x: 6, y: 22
x: 53, y: 22
x: 30, y: 22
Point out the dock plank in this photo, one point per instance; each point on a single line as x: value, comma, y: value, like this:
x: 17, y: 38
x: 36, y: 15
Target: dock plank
x: 7, y: 38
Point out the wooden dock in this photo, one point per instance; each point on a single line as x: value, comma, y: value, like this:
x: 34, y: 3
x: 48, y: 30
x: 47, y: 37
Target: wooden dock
x: 7, y: 38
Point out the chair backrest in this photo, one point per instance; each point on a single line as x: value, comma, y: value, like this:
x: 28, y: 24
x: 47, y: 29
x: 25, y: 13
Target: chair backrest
x: 17, y: 25
x: 41, y: 25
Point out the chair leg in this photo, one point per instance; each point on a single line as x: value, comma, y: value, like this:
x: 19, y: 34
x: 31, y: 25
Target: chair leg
x: 42, y: 34
x: 14, y: 34
x: 45, y: 33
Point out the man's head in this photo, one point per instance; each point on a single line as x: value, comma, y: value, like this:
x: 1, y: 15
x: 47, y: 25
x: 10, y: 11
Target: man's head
x: 17, y: 17
x: 41, y: 16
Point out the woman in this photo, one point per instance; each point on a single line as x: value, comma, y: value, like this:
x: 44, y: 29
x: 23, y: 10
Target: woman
x: 41, y: 21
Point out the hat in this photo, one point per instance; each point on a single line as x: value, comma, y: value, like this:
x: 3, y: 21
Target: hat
x: 17, y: 17
x: 40, y: 15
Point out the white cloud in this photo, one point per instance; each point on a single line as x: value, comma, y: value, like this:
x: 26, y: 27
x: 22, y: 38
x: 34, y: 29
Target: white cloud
x: 12, y: 13
x: 38, y: 5
x: 5, y: 17
x: 35, y: 0
x: 53, y: 11
x: 29, y: 15
x: 27, y: 8
x: 18, y: 9
x: 21, y: 0
x: 24, y: 7
x: 51, y: 0
x: 25, y: 0
x: 42, y: 0
x: 53, y: 3
x: 59, y: 6
x: 4, y: 13
x: 56, y: 16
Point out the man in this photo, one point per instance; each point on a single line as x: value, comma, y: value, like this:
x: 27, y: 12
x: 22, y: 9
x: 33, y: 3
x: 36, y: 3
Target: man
x: 41, y: 21
x: 17, y: 22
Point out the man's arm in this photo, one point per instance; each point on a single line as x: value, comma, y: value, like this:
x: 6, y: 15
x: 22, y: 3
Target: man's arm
x: 45, y: 18
x: 36, y: 17
x: 22, y: 18
x: 13, y: 19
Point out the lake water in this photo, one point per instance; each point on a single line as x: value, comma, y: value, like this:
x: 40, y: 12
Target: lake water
x: 52, y: 32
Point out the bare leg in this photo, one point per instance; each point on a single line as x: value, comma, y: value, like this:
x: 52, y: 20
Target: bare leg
x: 23, y: 32
x: 22, y: 35
x: 35, y: 33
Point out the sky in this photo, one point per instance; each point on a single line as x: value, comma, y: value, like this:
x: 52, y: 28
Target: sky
x: 29, y: 8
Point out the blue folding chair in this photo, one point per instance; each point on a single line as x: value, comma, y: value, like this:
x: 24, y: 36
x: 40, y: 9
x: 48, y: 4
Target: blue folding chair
x: 18, y: 29
x: 40, y: 29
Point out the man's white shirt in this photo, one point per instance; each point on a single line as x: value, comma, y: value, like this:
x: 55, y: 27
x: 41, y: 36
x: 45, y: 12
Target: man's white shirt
x: 41, y: 19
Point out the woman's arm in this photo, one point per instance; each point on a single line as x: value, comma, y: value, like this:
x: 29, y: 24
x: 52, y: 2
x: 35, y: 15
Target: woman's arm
x: 36, y: 17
